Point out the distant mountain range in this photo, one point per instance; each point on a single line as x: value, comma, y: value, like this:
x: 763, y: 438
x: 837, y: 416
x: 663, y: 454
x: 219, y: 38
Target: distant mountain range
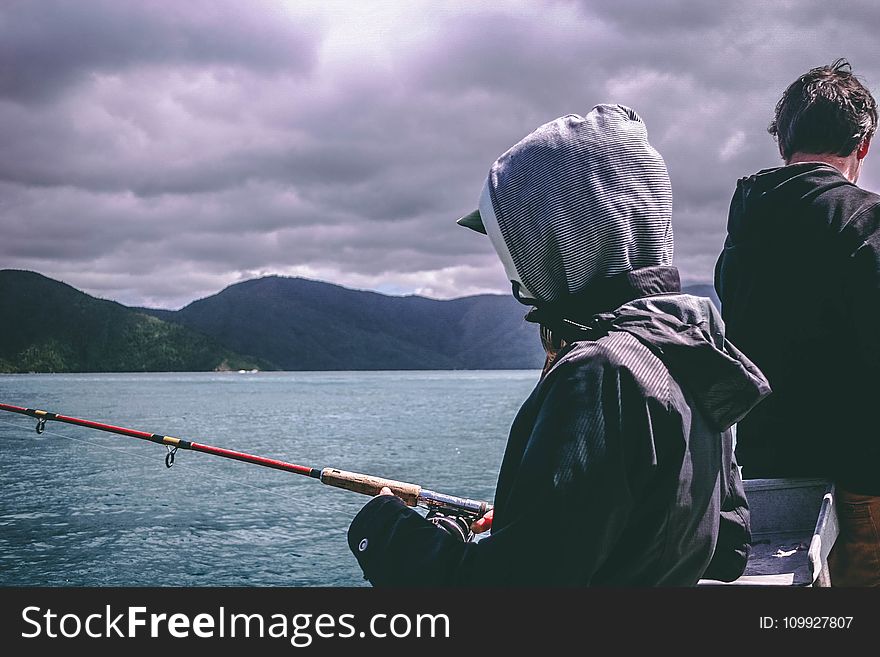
x: 48, y: 326
x: 299, y: 324
x: 271, y: 323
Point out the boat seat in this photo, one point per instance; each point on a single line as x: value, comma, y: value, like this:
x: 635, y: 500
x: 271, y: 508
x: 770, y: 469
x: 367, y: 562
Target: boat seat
x: 794, y: 526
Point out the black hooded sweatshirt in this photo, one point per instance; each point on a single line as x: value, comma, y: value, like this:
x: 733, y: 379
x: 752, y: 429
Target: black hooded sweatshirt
x: 799, y: 282
x: 619, y: 467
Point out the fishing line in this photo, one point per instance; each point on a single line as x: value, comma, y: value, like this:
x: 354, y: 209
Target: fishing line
x: 196, y: 469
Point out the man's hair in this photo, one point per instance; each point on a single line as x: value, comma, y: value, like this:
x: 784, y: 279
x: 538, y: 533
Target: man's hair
x: 826, y: 110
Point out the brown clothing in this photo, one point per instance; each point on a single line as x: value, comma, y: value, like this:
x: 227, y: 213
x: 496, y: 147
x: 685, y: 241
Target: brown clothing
x: 855, y: 557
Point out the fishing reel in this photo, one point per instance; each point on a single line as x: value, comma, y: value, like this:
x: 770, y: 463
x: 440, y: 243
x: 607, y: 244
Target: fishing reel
x: 458, y: 526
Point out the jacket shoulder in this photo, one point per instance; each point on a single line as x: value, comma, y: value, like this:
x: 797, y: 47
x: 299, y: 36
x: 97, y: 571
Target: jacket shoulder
x: 863, y: 221
x: 618, y: 355
x: 853, y: 212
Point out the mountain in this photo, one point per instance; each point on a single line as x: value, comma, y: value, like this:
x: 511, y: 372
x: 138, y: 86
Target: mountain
x: 299, y: 324
x: 266, y: 323
x: 49, y: 326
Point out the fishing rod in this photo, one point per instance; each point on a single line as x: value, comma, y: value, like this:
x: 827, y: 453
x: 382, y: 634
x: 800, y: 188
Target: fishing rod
x: 411, y: 494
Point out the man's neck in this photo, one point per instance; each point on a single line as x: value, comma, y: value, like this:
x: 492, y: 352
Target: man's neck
x: 848, y: 165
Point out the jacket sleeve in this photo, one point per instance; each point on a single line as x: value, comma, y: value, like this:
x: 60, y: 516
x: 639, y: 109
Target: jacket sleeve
x: 571, y: 501
x: 861, y: 284
x: 734, y: 531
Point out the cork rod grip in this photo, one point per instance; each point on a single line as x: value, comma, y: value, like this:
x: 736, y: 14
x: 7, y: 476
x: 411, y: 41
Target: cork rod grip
x: 361, y: 483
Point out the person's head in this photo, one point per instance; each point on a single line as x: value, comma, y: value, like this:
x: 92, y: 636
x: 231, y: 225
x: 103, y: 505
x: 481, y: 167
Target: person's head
x: 578, y: 199
x: 826, y: 111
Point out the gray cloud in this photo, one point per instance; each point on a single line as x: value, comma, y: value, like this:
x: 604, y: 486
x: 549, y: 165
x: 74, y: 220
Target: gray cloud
x: 47, y: 46
x: 155, y: 152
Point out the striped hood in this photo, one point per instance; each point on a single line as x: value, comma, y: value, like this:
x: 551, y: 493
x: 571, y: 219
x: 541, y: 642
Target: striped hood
x: 580, y: 198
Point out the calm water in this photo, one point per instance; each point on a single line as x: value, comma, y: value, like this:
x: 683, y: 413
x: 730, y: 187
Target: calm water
x: 80, y: 507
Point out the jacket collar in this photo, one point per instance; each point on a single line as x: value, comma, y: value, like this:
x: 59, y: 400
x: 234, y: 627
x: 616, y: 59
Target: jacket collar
x: 607, y: 294
x: 722, y: 380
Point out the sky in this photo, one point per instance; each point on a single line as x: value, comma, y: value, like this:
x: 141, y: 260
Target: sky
x: 154, y: 152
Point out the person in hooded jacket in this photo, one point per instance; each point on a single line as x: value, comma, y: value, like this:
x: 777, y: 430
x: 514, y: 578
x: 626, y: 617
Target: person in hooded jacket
x: 799, y: 282
x: 624, y: 447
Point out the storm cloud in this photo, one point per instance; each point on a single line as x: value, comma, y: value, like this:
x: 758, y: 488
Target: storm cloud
x: 155, y: 152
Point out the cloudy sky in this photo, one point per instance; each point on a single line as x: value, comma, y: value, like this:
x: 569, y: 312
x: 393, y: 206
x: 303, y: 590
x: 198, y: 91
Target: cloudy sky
x: 155, y: 151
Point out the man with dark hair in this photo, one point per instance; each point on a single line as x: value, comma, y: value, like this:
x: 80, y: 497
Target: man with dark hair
x: 799, y: 283
x: 619, y: 467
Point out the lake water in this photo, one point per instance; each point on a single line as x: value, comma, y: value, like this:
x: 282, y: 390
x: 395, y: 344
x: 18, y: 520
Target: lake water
x: 80, y: 507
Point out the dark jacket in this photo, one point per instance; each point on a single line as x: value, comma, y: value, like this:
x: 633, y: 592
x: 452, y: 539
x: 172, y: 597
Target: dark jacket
x: 799, y: 282
x: 619, y: 468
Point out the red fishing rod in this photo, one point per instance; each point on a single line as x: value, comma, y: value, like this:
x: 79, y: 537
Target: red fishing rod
x: 411, y: 494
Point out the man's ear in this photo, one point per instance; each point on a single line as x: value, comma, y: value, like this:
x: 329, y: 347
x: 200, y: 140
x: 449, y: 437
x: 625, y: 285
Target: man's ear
x: 862, y: 149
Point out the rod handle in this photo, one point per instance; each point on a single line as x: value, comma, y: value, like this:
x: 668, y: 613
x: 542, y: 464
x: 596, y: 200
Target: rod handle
x: 369, y: 485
